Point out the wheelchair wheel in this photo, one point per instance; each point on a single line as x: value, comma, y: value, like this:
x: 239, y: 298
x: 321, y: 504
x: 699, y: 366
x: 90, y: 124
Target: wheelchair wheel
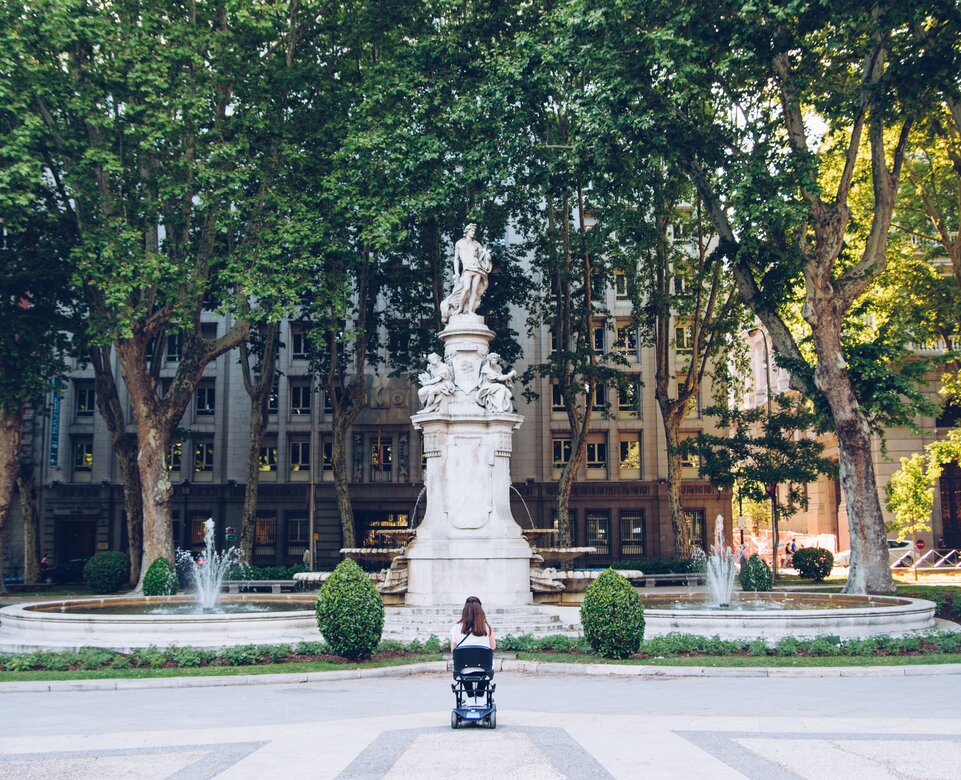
x: 454, y: 720
x: 492, y: 720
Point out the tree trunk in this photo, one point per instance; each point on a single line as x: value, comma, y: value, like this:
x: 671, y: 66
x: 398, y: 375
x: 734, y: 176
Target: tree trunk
x: 869, y: 572
x: 256, y: 428
x: 11, y: 428
x: 28, y: 510
x: 680, y: 522
x: 342, y: 481
x: 125, y: 450
x: 259, y: 387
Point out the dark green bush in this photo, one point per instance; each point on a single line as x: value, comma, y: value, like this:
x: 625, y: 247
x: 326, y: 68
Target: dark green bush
x: 612, y: 616
x: 246, y: 571
x: 107, y: 572
x: 659, y: 565
x: 755, y: 575
x: 160, y: 579
x: 813, y: 563
x: 350, y: 613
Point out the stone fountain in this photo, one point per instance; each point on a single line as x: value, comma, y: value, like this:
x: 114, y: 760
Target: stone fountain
x: 468, y: 542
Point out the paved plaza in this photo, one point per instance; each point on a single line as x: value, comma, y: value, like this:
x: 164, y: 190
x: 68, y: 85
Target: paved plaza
x: 886, y: 725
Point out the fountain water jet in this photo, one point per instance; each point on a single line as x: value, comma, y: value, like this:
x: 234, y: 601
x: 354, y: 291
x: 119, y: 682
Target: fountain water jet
x: 207, y: 574
x: 720, y: 567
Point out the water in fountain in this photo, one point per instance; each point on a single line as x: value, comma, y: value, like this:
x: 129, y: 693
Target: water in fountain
x: 720, y: 567
x: 207, y: 573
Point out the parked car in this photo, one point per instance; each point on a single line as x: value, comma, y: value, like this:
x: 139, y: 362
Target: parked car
x: 899, y: 554
x: 69, y: 573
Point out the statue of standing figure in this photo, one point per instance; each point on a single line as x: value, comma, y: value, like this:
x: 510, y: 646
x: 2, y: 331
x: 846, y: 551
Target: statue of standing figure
x: 494, y: 392
x: 472, y: 264
x: 437, y: 383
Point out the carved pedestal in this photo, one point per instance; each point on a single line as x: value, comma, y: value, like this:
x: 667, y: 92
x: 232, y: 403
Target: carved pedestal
x: 468, y: 542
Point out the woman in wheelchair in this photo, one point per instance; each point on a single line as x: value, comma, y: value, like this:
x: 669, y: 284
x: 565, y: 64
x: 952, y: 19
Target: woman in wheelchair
x: 472, y: 643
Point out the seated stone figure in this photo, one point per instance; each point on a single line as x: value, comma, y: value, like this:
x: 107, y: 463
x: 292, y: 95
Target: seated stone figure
x: 494, y: 392
x: 437, y: 383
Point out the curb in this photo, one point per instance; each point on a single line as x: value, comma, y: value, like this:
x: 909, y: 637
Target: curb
x: 503, y: 665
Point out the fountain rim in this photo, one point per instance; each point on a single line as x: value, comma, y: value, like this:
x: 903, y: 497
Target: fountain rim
x: 869, y: 604
x: 52, y: 609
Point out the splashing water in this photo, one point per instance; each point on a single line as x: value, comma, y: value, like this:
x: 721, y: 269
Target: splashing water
x: 207, y: 573
x: 720, y: 567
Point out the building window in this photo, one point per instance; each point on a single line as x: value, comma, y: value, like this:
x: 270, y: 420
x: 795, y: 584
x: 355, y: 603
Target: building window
x: 557, y: 399
x: 690, y: 460
x: 630, y: 455
x: 204, y: 456
x: 683, y: 340
x: 300, y: 399
x: 206, y: 401
x: 696, y: 518
x: 198, y: 529
x: 85, y: 399
x: 328, y: 403
x: 620, y: 286
x: 208, y: 331
x: 381, y: 458
x: 562, y: 452
x: 298, y: 342
x: 300, y: 456
x: 599, y: 532
x: 629, y: 396
x: 175, y: 456
x: 694, y: 402
x: 627, y: 340
x: 328, y: 456
x: 553, y: 340
x: 600, y: 396
x: 632, y: 532
x: 268, y: 458
x: 265, y: 537
x: 175, y: 343
x: 598, y: 335
x: 597, y: 454
x: 82, y: 455
x: 297, y: 530
x: 273, y: 400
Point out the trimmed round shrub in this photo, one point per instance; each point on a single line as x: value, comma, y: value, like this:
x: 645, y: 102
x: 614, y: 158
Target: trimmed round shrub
x: 160, y: 578
x: 350, y: 613
x: 107, y: 572
x: 755, y: 575
x: 612, y: 616
x: 813, y: 563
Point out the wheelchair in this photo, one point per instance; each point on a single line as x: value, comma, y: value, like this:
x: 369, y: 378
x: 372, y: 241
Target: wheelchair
x: 473, y: 672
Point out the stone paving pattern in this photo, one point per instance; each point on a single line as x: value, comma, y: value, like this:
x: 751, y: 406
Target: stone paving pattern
x: 882, y: 724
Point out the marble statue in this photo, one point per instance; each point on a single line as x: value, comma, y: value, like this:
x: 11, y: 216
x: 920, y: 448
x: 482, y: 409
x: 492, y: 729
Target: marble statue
x: 472, y: 264
x: 437, y: 383
x: 494, y: 392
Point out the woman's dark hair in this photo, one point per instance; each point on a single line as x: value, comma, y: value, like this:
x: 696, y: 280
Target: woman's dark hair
x: 472, y: 619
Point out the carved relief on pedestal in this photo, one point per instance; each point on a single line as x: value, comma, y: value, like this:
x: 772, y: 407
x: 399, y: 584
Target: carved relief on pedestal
x: 467, y: 499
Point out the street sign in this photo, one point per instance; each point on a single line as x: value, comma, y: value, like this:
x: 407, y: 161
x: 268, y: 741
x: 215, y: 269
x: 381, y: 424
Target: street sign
x: 919, y: 544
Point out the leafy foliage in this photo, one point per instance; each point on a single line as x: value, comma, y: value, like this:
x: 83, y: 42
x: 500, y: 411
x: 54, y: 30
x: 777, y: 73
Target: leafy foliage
x: 107, y: 572
x: 755, y: 575
x: 350, y: 613
x: 160, y: 579
x: 813, y: 563
x: 612, y: 616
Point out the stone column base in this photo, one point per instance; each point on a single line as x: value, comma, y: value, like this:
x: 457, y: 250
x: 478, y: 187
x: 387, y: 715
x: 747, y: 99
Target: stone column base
x: 443, y: 572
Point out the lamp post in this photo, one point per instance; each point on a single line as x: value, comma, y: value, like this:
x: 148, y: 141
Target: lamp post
x: 772, y: 488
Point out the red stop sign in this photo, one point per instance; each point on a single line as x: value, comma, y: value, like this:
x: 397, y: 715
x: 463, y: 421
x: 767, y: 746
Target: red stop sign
x: 919, y: 544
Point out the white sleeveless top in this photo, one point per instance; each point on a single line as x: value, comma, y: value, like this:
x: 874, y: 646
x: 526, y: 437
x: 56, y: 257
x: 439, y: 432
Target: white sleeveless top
x: 456, y: 635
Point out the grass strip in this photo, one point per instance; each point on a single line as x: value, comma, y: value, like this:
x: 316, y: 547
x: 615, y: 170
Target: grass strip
x: 211, y: 671
x: 793, y: 662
